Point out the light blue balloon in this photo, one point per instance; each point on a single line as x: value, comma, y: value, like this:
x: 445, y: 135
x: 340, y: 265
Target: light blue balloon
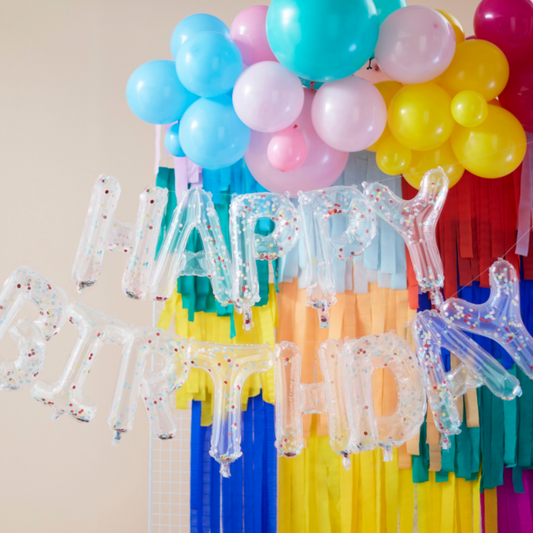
x: 385, y: 7
x: 192, y: 25
x: 322, y: 40
x: 208, y: 64
x: 172, y: 141
x: 156, y: 95
x: 211, y: 133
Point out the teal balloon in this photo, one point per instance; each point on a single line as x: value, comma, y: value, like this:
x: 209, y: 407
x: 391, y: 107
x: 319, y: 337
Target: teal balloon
x: 316, y: 85
x: 385, y: 7
x: 322, y: 40
x: 211, y: 133
x: 192, y: 25
x: 208, y: 64
x: 156, y: 95
x: 172, y: 141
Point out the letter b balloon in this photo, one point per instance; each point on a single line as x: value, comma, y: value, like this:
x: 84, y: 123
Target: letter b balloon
x: 322, y: 41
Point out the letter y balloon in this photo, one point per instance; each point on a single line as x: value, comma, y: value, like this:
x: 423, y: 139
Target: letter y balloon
x: 416, y: 220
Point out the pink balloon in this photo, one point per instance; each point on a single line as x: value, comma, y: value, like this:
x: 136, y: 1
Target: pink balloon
x: 349, y: 114
x: 322, y: 167
x: 416, y: 44
x: 267, y: 97
x: 286, y: 150
x: 248, y: 32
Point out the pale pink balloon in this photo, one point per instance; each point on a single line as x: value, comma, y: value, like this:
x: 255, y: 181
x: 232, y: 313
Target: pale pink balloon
x: 248, y: 32
x: 349, y: 114
x: 322, y: 167
x: 286, y: 150
x: 267, y: 97
x: 416, y: 44
x: 373, y: 75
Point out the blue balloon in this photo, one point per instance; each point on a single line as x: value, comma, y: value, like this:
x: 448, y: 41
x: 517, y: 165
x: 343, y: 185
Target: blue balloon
x: 208, y: 64
x: 322, y: 40
x: 385, y: 7
x: 172, y: 141
x: 192, y: 25
x: 155, y: 93
x: 211, y: 133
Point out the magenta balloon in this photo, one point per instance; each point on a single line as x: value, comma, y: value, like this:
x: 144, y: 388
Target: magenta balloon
x: 286, y: 150
x: 416, y: 44
x: 509, y: 25
x: 267, y: 97
x: 517, y: 97
x: 248, y: 32
x: 349, y: 114
x: 323, y: 164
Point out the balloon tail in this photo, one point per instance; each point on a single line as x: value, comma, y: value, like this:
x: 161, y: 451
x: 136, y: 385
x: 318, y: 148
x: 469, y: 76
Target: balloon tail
x: 346, y: 461
x: 224, y: 470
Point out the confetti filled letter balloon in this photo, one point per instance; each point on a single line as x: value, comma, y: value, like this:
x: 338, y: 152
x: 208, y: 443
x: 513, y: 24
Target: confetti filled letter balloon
x: 494, y: 148
x: 248, y: 32
x: 316, y: 208
x: 195, y: 210
x: 229, y: 367
x: 353, y: 130
x: 27, y: 285
x: 477, y: 66
x: 267, y: 97
x: 416, y: 44
x: 287, y: 375
x: 419, y: 116
x: 156, y: 95
x: 102, y: 232
x: 66, y: 395
x: 431, y: 333
x: 322, y: 41
x: 153, y: 386
x: 361, y: 358
x: 247, y: 246
x: 498, y: 318
x: 415, y: 220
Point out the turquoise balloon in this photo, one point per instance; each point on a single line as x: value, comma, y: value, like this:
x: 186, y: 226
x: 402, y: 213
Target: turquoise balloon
x: 385, y: 7
x: 322, y: 40
x: 156, y: 95
x: 211, y: 133
x: 193, y: 24
x: 208, y: 64
x: 172, y: 141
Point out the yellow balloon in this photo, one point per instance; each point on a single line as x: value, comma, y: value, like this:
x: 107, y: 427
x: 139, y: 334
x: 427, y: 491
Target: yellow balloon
x: 455, y: 24
x: 442, y: 156
x: 419, y: 116
x: 493, y: 149
x: 477, y: 66
x: 387, y: 89
x: 469, y: 109
x: 392, y: 157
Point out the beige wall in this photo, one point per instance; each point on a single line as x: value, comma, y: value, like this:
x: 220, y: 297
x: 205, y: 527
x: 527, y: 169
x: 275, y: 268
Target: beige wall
x: 64, y: 120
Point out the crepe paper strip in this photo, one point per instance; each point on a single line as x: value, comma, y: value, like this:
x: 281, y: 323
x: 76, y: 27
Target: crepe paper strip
x: 490, y: 515
x: 524, y: 208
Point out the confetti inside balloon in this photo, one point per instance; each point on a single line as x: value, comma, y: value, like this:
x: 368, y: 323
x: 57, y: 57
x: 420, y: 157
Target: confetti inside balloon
x: 498, y: 318
x: 415, y: 220
x: 247, y: 246
x: 316, y: 209
x: 27, y: 285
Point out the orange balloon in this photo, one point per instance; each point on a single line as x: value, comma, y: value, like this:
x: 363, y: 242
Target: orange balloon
x: 387, y: 89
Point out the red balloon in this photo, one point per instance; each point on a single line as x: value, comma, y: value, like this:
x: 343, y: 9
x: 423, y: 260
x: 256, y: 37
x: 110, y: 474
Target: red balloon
x: 517, y: 97
x: 509, y: 25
